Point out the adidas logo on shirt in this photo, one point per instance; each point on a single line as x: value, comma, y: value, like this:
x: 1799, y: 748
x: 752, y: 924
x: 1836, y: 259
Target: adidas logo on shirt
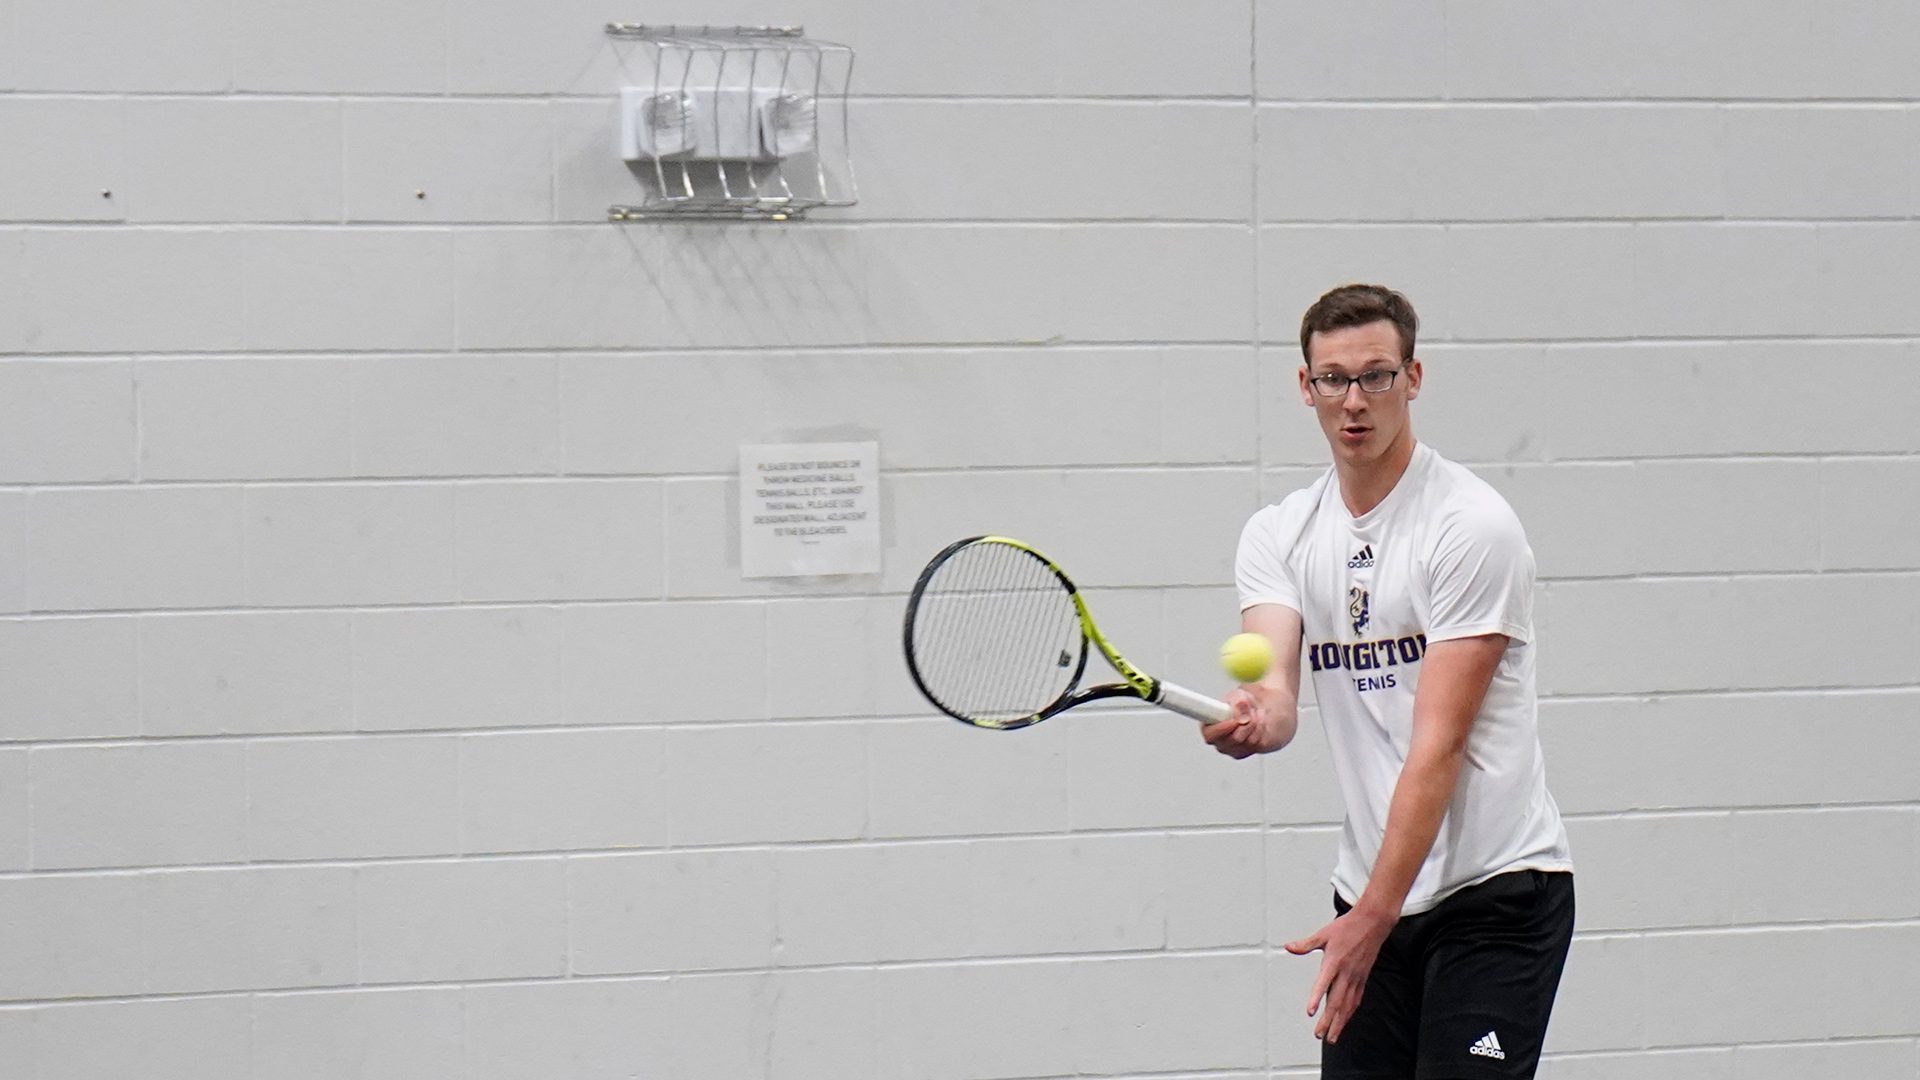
x: 1488, y: 1046
x: 1361, y: 559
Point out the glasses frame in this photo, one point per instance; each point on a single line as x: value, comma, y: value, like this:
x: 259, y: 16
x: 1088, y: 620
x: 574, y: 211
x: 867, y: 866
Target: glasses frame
x: 1347, y: 382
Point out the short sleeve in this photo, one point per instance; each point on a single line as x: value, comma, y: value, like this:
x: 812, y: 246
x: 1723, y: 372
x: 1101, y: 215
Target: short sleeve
x: 1481, y: 576
x: 1260, y: 566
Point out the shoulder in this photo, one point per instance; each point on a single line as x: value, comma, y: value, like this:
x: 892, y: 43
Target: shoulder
x: 1467, y: 509
x: 1288, y: 514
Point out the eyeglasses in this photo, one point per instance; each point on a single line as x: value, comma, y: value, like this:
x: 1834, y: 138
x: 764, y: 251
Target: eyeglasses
x: 1373, y: 381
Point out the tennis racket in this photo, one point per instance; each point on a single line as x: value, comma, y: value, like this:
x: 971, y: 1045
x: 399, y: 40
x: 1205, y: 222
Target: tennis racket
x: 997, y: 635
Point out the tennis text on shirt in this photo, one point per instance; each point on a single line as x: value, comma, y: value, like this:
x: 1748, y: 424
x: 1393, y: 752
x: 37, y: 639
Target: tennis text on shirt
x: 1368, y: 656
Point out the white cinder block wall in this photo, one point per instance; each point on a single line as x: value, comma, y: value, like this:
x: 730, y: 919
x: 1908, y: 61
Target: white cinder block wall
x: 379, y: 696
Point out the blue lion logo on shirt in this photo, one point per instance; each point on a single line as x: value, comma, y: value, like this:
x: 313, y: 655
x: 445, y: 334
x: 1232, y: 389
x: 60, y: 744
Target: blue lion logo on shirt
x: 1357, y: 607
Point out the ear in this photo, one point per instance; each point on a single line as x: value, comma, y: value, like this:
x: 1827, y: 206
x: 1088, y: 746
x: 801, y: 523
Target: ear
x: 1414, y: 374
x: 1306, y: 390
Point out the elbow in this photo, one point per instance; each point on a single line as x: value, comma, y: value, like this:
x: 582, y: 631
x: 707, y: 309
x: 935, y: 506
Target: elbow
x: 1443, y: 756
x: 1440, y: 737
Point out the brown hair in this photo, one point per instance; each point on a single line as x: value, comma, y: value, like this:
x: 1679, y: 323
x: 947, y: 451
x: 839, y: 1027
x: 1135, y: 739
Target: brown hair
x: 1358, y: 305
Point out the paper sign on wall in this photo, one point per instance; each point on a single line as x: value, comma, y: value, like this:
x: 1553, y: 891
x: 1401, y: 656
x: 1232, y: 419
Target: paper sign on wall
x: 809, y: 508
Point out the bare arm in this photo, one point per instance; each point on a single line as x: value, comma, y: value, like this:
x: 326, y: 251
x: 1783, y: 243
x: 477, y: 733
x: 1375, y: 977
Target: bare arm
x: 1267, y: 713
x: 1453, y: 683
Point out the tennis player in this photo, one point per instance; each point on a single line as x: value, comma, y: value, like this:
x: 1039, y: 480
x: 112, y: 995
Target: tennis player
x: 1405, y: 584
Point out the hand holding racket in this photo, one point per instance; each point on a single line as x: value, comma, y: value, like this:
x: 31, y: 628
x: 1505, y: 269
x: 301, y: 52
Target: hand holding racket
x: 997, y: 634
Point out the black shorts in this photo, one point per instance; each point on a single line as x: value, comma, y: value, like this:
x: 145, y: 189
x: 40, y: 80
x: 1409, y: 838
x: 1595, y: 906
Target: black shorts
x: 1463, y: 990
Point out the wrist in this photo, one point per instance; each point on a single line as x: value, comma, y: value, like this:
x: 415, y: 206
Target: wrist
x: 1377, y: 911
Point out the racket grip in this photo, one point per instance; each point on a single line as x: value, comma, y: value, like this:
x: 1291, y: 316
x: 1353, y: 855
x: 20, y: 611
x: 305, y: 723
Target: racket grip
x: 1189, y: 704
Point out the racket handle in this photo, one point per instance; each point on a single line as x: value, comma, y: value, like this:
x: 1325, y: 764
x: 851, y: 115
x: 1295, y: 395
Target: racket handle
x: 1187, y: 703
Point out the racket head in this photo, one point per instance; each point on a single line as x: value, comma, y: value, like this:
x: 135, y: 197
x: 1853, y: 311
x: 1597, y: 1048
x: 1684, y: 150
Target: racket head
x: 995, y: 634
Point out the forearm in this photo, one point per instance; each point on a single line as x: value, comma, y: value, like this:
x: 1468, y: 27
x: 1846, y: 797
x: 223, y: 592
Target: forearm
x: 1444, y: 707
x: 1420, y: 800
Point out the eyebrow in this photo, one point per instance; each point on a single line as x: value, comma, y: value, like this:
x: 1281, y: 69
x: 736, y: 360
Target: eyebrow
x: 1365, y: 366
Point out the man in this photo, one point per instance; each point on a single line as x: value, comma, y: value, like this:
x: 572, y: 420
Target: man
x: 1409, y: 582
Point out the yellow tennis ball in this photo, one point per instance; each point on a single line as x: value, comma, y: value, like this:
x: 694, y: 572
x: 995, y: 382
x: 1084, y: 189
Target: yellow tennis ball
x: 1246, y: 657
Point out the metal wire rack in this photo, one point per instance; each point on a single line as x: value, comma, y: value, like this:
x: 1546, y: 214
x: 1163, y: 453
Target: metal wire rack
x: 742, y: 122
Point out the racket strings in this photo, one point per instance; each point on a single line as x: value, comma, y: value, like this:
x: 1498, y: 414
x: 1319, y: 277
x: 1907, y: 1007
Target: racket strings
x: 996, y: 636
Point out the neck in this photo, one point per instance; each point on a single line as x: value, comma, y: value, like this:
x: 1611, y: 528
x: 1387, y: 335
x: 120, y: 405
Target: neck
x: 1364, y: 485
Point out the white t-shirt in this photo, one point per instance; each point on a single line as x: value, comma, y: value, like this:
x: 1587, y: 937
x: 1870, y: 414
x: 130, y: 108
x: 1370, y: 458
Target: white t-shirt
x: 1441, y: 557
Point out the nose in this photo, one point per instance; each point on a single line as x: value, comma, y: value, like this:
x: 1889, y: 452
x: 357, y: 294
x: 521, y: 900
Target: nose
x: 1353, y: 398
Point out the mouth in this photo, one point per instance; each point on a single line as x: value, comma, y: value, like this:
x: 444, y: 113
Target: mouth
x: 1354, y: 432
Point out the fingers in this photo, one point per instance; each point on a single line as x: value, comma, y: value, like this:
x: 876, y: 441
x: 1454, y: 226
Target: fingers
x: 1239, y: 735
x: 1336, y: 989
x: 1323, y: 982
x: 1234, y: 736
x: 1346, y: 1002
x: 1247, y: 702
x: 1225, y: 736
x: 1215, y: 734
x: 1318, y: 997
x: 1341, y: 1001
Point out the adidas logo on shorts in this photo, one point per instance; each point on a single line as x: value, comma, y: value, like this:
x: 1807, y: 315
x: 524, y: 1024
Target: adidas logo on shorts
x: 1488, y: 1046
